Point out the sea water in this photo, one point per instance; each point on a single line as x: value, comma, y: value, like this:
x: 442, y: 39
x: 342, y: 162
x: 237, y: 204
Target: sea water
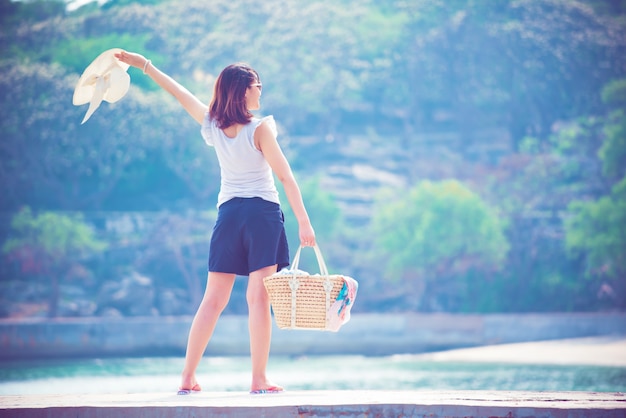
x: 158, y: 374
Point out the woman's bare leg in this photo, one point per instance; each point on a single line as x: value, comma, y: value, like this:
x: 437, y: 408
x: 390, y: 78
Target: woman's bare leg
x: 260, y: 326
x: 218, y: 289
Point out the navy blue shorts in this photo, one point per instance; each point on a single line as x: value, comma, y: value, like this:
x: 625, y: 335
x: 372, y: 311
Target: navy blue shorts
x: 249, y: 234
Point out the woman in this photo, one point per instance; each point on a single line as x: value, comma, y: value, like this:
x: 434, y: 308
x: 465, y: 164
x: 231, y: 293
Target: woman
x: 249, y: 236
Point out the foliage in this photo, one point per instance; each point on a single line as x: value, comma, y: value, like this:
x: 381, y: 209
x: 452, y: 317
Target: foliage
x: 534, y: 189
x: 613, y: 150
x: 438, y: 232
x: 505, y: 97
x: 71, y: 53
x: 428, y: 65
x: 48, y: 244
x: 53, y: 235
x: 86, y: 166
x: 595, y: 229
x: 31, y: 10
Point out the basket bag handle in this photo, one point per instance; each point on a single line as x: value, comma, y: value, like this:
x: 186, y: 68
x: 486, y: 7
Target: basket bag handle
x: 318, y: 255
x: 294, y: 283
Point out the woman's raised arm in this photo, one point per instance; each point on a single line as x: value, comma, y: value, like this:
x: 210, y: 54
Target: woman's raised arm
x: 190, y: 103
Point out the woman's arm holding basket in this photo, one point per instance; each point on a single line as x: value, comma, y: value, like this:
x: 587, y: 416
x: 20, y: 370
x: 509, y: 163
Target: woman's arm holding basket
x: 276, y: 159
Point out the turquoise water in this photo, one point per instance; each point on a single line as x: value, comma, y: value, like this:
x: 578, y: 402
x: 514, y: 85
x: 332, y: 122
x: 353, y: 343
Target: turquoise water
x: 136, y: 375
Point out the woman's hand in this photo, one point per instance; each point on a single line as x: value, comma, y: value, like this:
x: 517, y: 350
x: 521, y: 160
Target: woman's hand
x: 307, y: 235
x: 132, y: 59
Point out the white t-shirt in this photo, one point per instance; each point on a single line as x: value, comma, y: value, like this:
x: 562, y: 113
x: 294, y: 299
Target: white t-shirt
x: 244, y: 170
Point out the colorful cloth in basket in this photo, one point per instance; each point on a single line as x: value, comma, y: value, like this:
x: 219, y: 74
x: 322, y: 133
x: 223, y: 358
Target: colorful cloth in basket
x: 339, y: 312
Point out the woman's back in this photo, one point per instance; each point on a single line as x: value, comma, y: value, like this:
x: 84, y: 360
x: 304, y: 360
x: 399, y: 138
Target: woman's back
x: 244, y: 170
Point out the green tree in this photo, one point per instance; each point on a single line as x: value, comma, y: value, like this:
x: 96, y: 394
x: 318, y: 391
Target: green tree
x: 596, y: 229
x: 613, y: 150
x: 533, y: 189
x: 48, y: 244
x: 522, y: 64
x: 432, y: 237
x: 130, y: 155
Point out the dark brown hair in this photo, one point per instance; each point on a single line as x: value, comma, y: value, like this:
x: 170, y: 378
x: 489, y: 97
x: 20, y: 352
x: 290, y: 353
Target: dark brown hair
x: 228, y: 105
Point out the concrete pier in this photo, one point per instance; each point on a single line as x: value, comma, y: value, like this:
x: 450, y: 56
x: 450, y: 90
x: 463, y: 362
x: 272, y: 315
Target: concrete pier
x: 432, y: 404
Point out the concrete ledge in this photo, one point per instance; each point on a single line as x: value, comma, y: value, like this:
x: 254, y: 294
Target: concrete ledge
x: 432, y: 404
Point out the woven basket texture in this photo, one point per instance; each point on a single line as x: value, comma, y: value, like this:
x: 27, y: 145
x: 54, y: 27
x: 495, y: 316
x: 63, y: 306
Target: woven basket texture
x: 310, y: 299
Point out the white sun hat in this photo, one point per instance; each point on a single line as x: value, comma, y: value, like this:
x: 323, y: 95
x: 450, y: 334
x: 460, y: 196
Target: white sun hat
x: 104, y: 79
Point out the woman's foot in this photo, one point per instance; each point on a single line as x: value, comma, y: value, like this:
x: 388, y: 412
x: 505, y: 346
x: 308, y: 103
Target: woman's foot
x: 265, y: 387
x: 188, y: 386
x: 271, y: 389
x: 195, y: 388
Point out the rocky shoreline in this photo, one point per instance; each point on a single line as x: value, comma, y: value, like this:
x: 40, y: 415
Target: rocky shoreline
x: 365, y: 334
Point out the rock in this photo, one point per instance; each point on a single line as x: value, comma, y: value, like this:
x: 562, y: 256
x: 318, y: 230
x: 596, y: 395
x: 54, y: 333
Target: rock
x: 75, y: 308
x: 133, y: 296
x: 111, y: 313
x: 173, y: 302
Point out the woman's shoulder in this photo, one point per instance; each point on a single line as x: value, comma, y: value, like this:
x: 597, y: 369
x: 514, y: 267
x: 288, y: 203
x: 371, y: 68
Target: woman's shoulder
x: 267, y: 121
x: 208, y: 129
x: 208, y: 120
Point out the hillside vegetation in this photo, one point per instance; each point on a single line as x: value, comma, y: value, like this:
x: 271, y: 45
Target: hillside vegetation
x: 461, y: 156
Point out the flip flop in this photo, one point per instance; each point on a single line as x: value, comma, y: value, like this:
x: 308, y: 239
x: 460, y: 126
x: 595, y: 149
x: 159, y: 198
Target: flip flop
x: 271, y: 389
x: 182, y: 391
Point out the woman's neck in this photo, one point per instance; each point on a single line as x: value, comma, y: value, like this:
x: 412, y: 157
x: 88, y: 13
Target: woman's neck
x: 233, y: 130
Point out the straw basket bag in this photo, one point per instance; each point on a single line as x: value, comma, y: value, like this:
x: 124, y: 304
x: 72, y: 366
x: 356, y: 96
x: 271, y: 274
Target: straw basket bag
x: 300, y: 300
